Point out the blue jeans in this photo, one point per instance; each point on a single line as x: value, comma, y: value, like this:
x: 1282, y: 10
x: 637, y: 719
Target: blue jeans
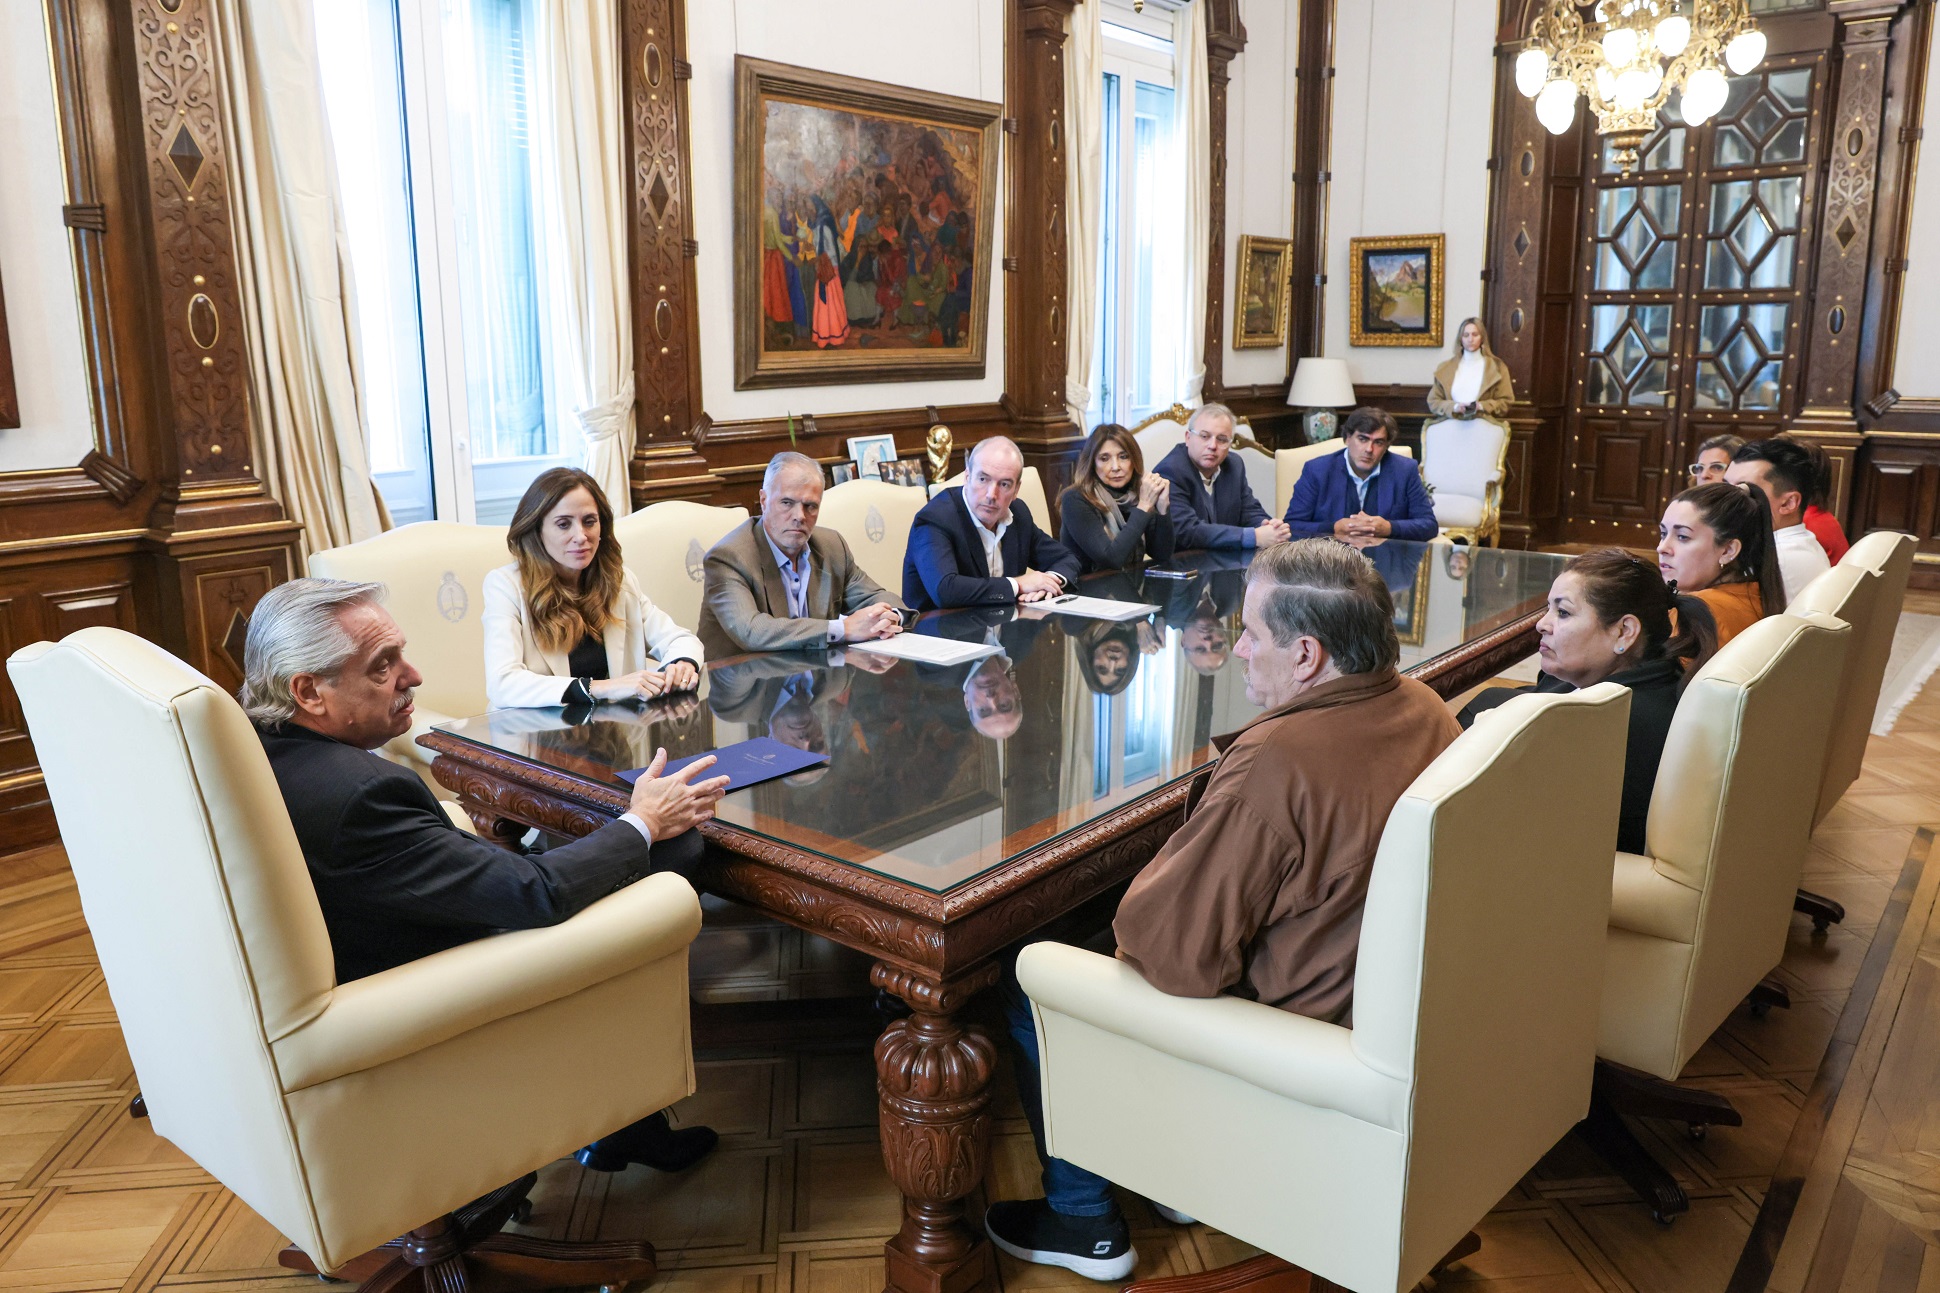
x: 1068, y: 1188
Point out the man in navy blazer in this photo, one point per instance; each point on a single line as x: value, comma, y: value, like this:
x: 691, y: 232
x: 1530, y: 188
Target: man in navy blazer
x: 1362, y: 492
x: 975, y: 544
x: 1213, y: 506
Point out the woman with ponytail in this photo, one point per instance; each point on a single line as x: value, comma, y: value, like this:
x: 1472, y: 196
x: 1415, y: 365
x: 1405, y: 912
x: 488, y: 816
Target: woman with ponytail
x: 1610, y: 620
x: 1715, y: 543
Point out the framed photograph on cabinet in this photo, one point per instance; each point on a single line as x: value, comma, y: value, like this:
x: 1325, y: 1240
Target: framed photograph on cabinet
x: 865, y: 451
x: 904, y: 471
x: 863, y: 229
x: 1394, y: 288
x: 1260, y: 297
x: 840, y: 473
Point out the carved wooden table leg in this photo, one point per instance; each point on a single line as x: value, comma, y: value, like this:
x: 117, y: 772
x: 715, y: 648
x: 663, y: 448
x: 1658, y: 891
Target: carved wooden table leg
x: 933, y: 1078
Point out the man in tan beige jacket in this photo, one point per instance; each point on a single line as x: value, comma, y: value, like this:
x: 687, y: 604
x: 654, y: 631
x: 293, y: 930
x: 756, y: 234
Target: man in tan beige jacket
x: 1260, y: 892
x: 777, y: 583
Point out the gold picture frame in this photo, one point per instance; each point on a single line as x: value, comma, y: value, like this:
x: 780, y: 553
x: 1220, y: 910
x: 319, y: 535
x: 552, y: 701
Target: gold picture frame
x: 1395, y: 290
x: 846, y: 272
x: 1261, y: 295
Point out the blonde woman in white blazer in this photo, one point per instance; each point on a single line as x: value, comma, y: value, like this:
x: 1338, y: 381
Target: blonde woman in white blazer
x: 565, y: 622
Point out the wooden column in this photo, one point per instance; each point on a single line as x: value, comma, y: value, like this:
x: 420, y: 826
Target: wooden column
x: 217, y: 540
x: 1313, y: 125
x: 1225, y: 38
x: 1035, y: 302
x: 669, y: 424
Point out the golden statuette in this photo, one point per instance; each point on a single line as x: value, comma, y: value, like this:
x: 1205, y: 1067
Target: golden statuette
x: 939, y: 443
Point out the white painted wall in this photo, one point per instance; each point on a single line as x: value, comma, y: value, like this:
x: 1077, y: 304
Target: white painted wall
x: 954, y: 48
x: 36, y: 264
x: 1413, y: 109
x: 1916, y: 375
x: 1259, y: 162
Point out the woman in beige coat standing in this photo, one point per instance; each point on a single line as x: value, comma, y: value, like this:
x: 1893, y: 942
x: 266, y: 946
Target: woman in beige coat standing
x: 1472, y: 383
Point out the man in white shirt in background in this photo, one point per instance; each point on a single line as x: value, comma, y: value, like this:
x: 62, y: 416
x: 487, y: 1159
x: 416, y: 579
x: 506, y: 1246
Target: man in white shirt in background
x: 1784, y: 471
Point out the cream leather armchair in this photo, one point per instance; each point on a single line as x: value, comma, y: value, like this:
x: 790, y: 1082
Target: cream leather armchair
x: 345, y: 1114
x: 665, y: 546
x: 1696, y: 924
x: 1289, y: 463
x: 1365, y: 1153
x: 435, y: 573
x: 875, y: 518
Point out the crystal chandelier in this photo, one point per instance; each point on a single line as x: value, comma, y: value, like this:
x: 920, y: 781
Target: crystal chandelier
x: 1626, y: 56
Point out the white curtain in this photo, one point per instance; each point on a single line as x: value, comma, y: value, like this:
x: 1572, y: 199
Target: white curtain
x: 295, y: 274
x: 578, y: 127
x: 1191, y: 86
x: 1084, y: 195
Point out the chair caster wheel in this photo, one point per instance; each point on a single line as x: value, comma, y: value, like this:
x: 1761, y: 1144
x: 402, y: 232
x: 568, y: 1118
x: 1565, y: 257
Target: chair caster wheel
x: 1663, y: 1219
x: 1820, y: 926
x: 1696, y: 1130
x: 522, y: 1213
x: 1759, y: 1009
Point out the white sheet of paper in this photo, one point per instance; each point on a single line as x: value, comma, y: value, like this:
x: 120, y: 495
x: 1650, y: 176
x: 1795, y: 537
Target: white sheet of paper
x: 1099, y: 608
x: 925, y: 647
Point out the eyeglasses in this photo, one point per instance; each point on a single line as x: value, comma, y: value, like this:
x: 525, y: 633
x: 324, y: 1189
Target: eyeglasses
x: 1703, y: 469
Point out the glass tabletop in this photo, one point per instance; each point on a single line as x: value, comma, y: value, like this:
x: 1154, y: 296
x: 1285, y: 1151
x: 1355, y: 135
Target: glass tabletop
x: 936, y: 774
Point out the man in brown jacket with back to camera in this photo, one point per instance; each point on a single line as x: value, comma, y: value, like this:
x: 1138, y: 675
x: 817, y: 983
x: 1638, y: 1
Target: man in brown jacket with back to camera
x: 1260, y: 893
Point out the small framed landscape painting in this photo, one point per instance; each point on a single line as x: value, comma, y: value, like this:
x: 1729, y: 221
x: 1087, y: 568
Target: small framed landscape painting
x: 864, y: 218
x: 1260, y: 292
x: 1395, y: 291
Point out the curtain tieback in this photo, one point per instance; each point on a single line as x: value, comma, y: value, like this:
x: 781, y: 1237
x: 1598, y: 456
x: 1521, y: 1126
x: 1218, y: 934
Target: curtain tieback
x: 605, y: 420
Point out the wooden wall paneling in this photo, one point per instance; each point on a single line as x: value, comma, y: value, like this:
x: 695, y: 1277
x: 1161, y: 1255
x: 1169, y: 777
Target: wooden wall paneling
x: 1035, y: 293
x: 667, y: 462
x: 1899, y: 150
x: 1313, y: 124
x: 1225, y: 38
x: 214, y: 512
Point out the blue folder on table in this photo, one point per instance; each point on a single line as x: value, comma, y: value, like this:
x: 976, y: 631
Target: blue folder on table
x: 745, y: 763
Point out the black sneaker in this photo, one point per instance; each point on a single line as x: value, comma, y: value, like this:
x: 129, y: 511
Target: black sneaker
x: 652, y: 1143
x: 1098, y: 1248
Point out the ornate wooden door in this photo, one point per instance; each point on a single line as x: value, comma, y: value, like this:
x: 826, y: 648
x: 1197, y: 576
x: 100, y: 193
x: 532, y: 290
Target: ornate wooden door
x: 1691, y: 295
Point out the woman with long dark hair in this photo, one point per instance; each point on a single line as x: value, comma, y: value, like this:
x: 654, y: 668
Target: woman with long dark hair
x: 1610, y: 619
x: 1715, y: 543
x: 1115, y: 513
x: 564, y: 622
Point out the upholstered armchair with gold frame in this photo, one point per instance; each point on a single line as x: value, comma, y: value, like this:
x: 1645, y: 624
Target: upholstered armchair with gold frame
x: 1464, y: 463
x: 420, y: 1099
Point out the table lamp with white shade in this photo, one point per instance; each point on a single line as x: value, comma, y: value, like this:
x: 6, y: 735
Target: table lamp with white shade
x: 1320, y: 386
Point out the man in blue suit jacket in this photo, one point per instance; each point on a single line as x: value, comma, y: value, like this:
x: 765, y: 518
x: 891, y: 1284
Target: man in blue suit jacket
x: 1212, y: 505
x: 976, y: 545
x: 1363, y: 492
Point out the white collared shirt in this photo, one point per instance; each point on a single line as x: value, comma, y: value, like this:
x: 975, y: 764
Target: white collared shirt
x: 993, y: 543
x: 1362, y: 482
x: 1801, y: 558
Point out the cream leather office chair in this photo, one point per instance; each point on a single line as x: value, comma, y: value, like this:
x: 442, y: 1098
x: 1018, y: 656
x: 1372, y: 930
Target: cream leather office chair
x: 1289, y: 463
x: 665, y: 546
x: 1030, y: 490
x: 435, y: 573
x: 875, y: 517
x: 1696, y: 924
x: 1365, y: 1153
x: 344, y: 1114
x: 1464, y: 462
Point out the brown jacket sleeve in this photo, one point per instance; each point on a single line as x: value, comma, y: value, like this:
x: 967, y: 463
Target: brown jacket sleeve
x: 1498, y: 392
x: 1439, y: 405
x: 1187, y: 919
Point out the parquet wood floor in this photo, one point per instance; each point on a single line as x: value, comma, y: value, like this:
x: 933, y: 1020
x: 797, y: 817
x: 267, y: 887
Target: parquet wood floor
x: 796, y: 1199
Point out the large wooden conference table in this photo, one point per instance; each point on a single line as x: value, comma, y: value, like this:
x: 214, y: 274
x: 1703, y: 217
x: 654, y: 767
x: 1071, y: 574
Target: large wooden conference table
x: 965, y: 808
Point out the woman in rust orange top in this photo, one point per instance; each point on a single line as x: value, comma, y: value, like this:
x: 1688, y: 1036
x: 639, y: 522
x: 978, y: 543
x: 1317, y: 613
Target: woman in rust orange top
x: 1715, y: 543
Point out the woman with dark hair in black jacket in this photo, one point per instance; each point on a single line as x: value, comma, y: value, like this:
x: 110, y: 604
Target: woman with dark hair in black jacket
x: 1609, y: 620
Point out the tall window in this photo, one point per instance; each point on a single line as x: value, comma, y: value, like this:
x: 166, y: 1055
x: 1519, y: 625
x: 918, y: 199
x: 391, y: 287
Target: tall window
x: 1139, y: 367
x: 431, y: 116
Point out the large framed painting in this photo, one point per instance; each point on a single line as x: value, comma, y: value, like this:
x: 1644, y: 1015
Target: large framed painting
x: 1260, y: 300
x: 1395, y: 291
x: 863, y: 223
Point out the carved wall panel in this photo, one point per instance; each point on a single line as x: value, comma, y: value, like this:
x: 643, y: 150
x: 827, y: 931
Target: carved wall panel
x: 200, y: 310
x: 1225, y: 38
